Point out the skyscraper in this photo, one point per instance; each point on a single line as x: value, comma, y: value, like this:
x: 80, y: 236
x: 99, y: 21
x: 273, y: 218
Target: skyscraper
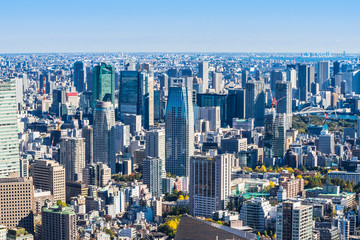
x: 304, y: 82
x: 291, y: 77
x: 284, y: 101
x: 16, y: 198
x: 119, y: 141
x: 209, y: 188
x: 279, y: 135
x: 87, y: 132
x: 179, y: 129
x: 254, y: 212
x: 323, y: 74
x: 137, y: 95
x: 217, y: 81
x: 204, y: 74
x: 72, y: 157
x: 9, y: 145
x: 155, y: 145
x: 152, y: 174
x: 294, y: 221
x: 104, y: 120
x: 58, y: 223
x: 255, y: 101
x: 103, y: 86
x: 276, y: 76
x: 244, y: 78
x: 79, y: 76
x: 49, y: 175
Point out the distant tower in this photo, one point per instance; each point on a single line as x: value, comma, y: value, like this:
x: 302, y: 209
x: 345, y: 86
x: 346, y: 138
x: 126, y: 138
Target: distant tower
x: 79, y: 76
x: 255, y: 101
x: 217, y: 81
x: 274, y: 77
x: 323, y: 74
x: 179, y: 129
x: 284, y: 100
x: 9, y: 145
x: 244, y: 78
x: 152, y: 174
x: 204, y: 74
x: 119, y: 141
x: 103, y: 86
x: 155, y: 145
x: 88, y: 134
x: 104, y: 120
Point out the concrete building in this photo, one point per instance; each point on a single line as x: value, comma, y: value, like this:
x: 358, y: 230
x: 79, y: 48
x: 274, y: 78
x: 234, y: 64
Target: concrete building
x: 211, y: 114
x: 294, y: 221
x: 16, y: 198
x: 209, y: 184
x: 152, y: 175
x: 49, y: 175
x: 254, y: 212
x: 119, y: 141
x: 87, y: 132
x: 58, y: 223
x: 255, y: 102
x: 72, y: 157
x: 155, y: 145
x: 204, y: 74
x: 97, y: 174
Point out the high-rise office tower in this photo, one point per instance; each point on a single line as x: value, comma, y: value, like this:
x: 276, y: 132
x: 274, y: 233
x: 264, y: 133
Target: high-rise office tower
x: 337, y: 67
x: 134, y: 121
x: 87, y: 132
x: 211, y: 114
x: 323, y: 74
x: 209, y: 184
x: 16, y: 198
x: 304, y: 82
x: 179, y: 129
x: 96, y: 174
x: 217, y: 81
x: 284, y: 101
x: 275, y: 76
x: 72, y: 157
x: 59, y: 98
x: 204, y: 74
x: 9, y: 145
x: 119, y: 141
x: 58, y: 223
x: 104, y: 120
x: 103, y: 86
x: 294, y: 221
x: 49, y: 175
x: 136, y: 95
x: 244, y: 78
x: 279, y: 135
x: 152, y: 174
x: 236, y: 103
x: 255, y: 102
x: 79, y: 76
x: 155, y: 145
x: 291, y: 77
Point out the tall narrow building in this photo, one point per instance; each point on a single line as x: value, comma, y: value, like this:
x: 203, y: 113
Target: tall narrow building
x: 155, y: 145
x: 87, y: 133
x: 255, y: 102
x: 103, y: 86
x: 72, y: 157
x: 323, y: 74
x: 284, y: 101
x: 209, y: 188
x: 49, y: 175
x: 303, y: 77
x: 152, y: 175
x: 79, y: 76
x: 179, y: 129
x: 204, y: 74
x: 104, y: 120
x: 137, y: 95
x: 119, y: 141
x: 9, y: 144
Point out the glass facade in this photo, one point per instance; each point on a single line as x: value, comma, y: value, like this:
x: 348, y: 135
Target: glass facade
x: 9, y: 144
x: 103, y: 83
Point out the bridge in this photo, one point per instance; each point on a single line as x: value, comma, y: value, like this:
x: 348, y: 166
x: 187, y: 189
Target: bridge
x: 309, y: 110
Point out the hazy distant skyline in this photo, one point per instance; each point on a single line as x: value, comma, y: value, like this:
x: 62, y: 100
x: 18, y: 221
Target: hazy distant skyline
x: 40, y: 26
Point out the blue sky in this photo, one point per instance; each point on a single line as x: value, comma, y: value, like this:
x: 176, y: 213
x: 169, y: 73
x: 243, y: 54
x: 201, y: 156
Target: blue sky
x: 179, y: 26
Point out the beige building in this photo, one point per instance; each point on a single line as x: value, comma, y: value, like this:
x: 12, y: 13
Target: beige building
x: 49, y: 175
x: 16, y: 198
x: 72, y: 157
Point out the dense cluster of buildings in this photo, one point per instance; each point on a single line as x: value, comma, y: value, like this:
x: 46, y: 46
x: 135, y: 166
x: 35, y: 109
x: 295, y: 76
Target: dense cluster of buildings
x: 100, y: 146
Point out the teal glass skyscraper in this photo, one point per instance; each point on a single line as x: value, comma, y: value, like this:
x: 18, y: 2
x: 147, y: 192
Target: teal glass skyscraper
x: 103, y: 84
x: 179, y: 130
x: 9, y: 145
x: 137, y: 95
